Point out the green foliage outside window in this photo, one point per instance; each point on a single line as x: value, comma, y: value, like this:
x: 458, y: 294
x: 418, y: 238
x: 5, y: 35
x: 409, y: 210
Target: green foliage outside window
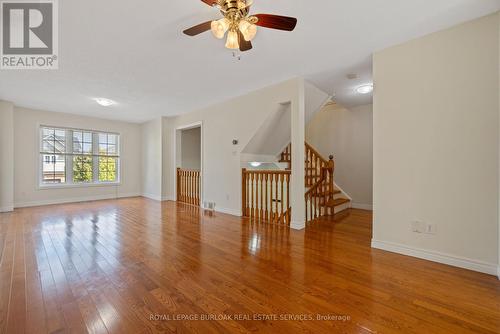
x: 107, y: 169
x: 82, y: 169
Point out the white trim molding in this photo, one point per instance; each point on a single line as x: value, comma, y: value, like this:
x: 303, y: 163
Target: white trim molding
x: 297, y: 225
x: 360, y: 206
x: 6, y: 209
x: 452, y: 260
x: 74, y: 200
x: 498, y: 272
x: 231, y: 212
x: 152, y: 196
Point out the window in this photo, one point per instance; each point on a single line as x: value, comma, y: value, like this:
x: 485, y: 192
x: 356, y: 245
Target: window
x: 72, y: 156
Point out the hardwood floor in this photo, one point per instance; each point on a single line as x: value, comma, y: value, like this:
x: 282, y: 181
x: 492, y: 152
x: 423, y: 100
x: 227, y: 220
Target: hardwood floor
x: 125, y: 266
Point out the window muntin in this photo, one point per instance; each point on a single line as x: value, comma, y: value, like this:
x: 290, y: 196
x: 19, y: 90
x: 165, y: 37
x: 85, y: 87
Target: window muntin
x: 74, y: 156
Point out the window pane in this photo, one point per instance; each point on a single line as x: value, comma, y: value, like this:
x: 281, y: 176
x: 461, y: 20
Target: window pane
x: 53, y: 169
x: 112, y: 149
x: 87, y: 137
x: 82, y: 169
x: 48, y: 146
x: 107, y: 169
x: 77, y: 147
x: 112, y: 139
x: 60, y: 141
x: 53, y: 141
x: 103, y: 138
x: 77, y: 136
x: 87, y: 148
x: 46, y: 132
x: 103, y: 149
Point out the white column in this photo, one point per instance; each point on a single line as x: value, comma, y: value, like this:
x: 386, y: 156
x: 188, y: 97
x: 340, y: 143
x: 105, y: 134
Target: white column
x: 297, y: 187
x: 6, y: 156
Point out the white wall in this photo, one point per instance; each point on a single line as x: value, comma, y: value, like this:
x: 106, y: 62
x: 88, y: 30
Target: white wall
x: 238, y: 118
x: 191, y: 148
x: 6, y: 156
x: 152, y: 159
x: 348, y: 135
x: 436, y: 145
x: 26, y: 148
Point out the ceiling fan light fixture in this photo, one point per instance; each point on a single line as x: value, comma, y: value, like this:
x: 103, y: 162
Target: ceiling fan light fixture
x: 365, y: 89
x: 232, y: 40
x: 249, y: 30
x: 220, y: 27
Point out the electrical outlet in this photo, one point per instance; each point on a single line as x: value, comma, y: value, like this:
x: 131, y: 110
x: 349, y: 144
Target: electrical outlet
x: 417, y: 226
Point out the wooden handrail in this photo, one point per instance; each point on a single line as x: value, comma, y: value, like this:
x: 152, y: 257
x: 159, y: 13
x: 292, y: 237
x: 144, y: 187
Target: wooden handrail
x: 265, y: 195
x: 313, y: 150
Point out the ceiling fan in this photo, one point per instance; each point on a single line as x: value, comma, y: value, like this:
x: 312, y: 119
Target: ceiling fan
x: 240, y: 27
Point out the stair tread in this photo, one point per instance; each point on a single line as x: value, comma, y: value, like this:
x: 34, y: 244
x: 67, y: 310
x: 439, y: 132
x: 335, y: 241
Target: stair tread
x: 337, y: 201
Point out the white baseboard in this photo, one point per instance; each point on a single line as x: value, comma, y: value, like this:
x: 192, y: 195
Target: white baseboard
x: 498, y: 272
x: 297, y: 225
x: 152, y: 196
x: 73, y: 200
x: 168, y: 198
x: 232, y: 212
x: 452, y: 260
x: 6, y: 209
x: 362, y: 206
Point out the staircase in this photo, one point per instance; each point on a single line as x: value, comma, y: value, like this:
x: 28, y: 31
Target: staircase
x: 266, y: 193
x: 322, y: 197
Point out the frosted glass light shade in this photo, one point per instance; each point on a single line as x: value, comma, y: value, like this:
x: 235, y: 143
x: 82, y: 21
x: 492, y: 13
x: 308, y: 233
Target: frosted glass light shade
x: 232, y: 40
x: 219, y: 27
x: 248, y: 30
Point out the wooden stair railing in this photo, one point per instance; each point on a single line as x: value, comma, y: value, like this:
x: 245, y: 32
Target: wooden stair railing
x: 188, y: 186
x: 321, y: 193
x: 314, y: 164
x: 320, y: 197
x: 264, y: 192
x: 266, y: 196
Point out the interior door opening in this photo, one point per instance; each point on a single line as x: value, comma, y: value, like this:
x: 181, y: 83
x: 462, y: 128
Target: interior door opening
x: 189, y: 165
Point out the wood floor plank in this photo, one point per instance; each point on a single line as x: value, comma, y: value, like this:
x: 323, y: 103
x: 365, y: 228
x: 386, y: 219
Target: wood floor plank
x: 139, y: 266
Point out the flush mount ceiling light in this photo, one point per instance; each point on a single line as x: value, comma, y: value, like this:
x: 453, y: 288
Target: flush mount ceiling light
x: 104, y: 102
x: 255, y: 164
x: 365, y: 89
x: 239, y: 26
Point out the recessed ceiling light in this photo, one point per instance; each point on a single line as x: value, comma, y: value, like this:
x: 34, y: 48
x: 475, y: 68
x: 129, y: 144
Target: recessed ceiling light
x: 365, y: 89
x: 104, y: 102
x: 255, y: 164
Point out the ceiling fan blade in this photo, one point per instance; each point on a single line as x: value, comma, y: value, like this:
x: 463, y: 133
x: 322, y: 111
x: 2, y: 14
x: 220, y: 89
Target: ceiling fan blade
x: 210, y: 2
x: 198, y: 29
x: 276, y: 22
x: 244, y: 45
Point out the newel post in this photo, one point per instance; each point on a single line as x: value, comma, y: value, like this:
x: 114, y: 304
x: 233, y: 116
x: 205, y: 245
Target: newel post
x: 331, y: 168
x: 243, y: 192
x: 178, y: 181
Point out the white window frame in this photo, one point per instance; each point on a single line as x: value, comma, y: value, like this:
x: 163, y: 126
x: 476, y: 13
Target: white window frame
x: 69, y: 159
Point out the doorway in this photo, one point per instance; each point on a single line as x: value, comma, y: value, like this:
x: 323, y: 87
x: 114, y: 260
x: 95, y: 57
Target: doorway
x: 189, y: 162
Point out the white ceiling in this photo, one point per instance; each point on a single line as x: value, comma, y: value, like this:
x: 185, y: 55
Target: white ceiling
x: 134, y: 52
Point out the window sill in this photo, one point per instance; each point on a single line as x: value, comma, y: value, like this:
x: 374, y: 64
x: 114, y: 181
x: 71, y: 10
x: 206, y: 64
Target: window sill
x: 79, y: 185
